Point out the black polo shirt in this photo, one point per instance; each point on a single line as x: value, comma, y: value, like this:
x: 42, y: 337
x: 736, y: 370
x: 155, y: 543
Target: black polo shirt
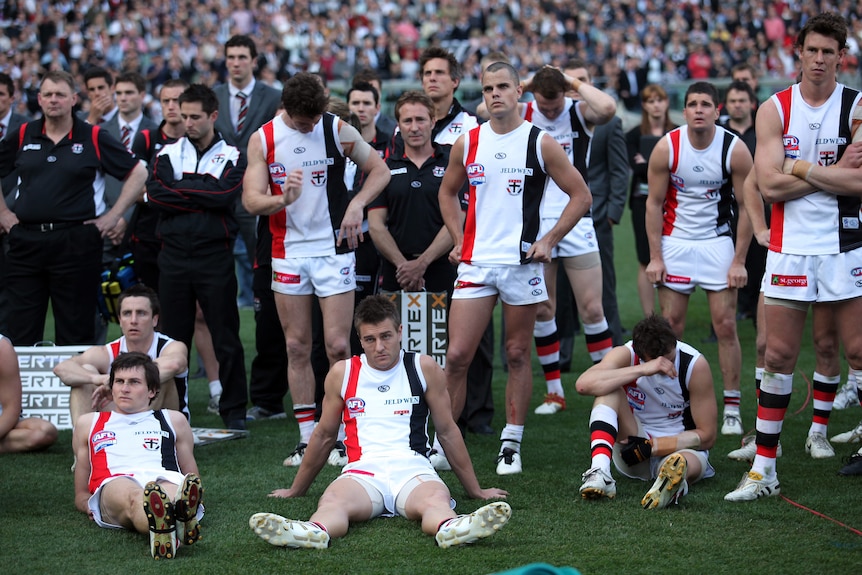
x: 63, y: 182
x: 414, y: 217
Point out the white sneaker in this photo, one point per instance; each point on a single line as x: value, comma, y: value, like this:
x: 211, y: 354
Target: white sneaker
x: 295, y: 457
x: 852, y: 436
x: 597, y: 484
x: 508, y: 462
x: 670, y: 484
x: 439, y: 461
x: 754, y: 486
x: 553, y: 403
x: 338, y: 455
x: 732, y: 424
x: 846, y: 396
x: 482, y: 523
x: 748, y: 450
x: 212, y: 406
x: 282, y: 532
x: 818, y: 446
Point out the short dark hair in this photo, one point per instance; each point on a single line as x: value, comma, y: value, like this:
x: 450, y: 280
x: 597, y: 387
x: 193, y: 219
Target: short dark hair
x: 203, y: 94
x: 98, y: 72
x: 549, y: 83
x: 364, y: 87
x: 132, y: 78
x: 827, y: 24
x: 7, y: 81
x: 173, y: 83
x: 414, y: 97
x: 367, y: 75
x: 140, y: 290
x: 702, y: 88
x: 133, y: 359
x: 744, y: 66
x: 374, y: 310
x: 741, y: 86
x: 303, y: 95
x: 340, y: 108
x: 58, y: 77
x: 444, y: 54
x: 653, y: 337
x: 497, y: 66
x: 239, y: 41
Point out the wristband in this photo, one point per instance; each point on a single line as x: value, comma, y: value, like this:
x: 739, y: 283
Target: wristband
x: 802, y: 169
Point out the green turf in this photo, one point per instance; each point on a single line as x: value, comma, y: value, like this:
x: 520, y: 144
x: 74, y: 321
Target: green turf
x: 41, y: 532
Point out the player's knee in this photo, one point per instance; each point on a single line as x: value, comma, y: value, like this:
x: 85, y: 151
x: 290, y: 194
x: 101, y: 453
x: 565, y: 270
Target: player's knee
x: 725, y: 328
x: 298, y: 348
x: 593, y: 311
x: 517, y: 355
x: 457, y: 359
x: 43, y: 436
x: 338, y: 349
x: 779, y: 358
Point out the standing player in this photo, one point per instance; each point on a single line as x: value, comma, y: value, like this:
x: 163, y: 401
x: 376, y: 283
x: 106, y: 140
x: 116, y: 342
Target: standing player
x: 815, y: 233
x: 296, y: 176
x: 692, y: 174
x: 507, y: 162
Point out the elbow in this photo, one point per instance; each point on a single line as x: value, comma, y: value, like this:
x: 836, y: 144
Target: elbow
x: 583, y: 386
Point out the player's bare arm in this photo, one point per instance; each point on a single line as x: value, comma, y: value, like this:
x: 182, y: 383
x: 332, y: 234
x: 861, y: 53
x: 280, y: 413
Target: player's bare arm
x: 658, y: 177
x: 740, y: 166
x: 615, y: 370
x: 324, y: 436
x: 570, y: 181
x: 257, y: 197
x: 437, y: 398
x: 775, y: 185
x: 450, y: 205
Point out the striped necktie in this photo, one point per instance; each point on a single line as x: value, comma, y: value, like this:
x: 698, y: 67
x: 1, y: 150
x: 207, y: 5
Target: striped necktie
x: 243, y: 111
x: 2, y: 130
x: 127, y: 136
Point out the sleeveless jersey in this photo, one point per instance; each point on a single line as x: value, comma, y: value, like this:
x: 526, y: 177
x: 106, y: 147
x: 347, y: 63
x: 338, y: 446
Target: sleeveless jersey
x: 121, y: 444
x: 662, y: 403
x: 507, y: 180
x: 160, y: 340
x: 698, y: 204
x: 819, y: 223
x: 569, y: 129
x: 308, y: 226
x: 385, y: 415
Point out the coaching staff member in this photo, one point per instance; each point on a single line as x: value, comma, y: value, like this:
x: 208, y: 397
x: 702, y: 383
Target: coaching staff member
x: 55, y: 245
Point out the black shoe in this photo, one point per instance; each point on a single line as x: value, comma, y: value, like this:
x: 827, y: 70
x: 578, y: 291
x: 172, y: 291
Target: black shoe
x: 481, y: 429
x: 235, y: 423
x: 853, y: 466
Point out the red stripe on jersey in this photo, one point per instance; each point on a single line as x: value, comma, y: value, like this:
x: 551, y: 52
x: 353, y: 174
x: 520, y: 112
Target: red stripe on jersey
x: 95, y: 142
x: 351, y: 441
x: 470, y: 223
x: 785, y: 100
x: 98, y: 459
x: 278, y: 220
x: 528, y: 112
x: 114, y: 349
x: 671, y: 202
x: 776, y: 227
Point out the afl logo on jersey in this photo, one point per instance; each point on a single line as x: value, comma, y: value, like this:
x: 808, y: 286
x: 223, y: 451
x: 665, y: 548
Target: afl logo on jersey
x: 103, y: 440
x: 476, y: 174
x: 791, y: 146
x: 535, y: 281
x: 636, y: 398
x: 856, y: 272
x: 355, y: 406
x: 677, y: 181
x: 344, y: 271
x: 277, y: 173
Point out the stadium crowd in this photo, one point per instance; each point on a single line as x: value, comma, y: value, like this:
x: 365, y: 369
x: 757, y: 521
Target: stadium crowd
x: 662, y: 41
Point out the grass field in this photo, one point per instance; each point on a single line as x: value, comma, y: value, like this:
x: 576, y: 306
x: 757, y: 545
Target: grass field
x: 42, y: 532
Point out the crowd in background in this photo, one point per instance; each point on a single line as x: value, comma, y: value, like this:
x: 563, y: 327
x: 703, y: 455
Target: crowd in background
x: 664, y: 41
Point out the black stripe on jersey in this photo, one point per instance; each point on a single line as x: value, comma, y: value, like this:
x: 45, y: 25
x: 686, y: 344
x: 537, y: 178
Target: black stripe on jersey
x: 685, y: 360
x: 169, y: 447
x: 534, y: 189
x: 419, y: 414
x: 580, y: 145
x: 336, y: 190
x: 849, y: 238
x: 725, y: 197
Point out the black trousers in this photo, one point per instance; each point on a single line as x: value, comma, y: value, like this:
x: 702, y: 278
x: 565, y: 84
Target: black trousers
x: 268, y: 380
x: 62, y: 265
x: 205, y: 274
